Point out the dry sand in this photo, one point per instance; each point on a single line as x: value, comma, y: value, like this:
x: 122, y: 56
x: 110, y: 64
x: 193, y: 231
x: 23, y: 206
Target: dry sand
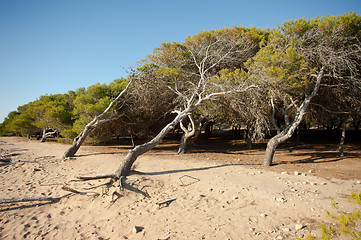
x: 216, y: 195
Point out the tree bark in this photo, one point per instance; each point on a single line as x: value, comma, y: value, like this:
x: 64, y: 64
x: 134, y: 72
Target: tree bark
x: 248, y: 138
x: 187, y: 135
x: 46, y: 135
x: 342, y: 141
x: 270, y: 151
x: 78, y: 141
x: 133, y: 154
x: 183, y: 144
x: 290, y: 129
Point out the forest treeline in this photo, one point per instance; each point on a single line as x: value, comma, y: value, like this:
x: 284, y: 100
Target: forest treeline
x: 303, y: 71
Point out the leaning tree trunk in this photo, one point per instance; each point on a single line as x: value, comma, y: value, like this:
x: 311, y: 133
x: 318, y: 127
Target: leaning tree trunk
x: 78, y: 141
x: 46, y: 135
x: 43, y: 137
x: 133, y: 154
x: 290, y: 129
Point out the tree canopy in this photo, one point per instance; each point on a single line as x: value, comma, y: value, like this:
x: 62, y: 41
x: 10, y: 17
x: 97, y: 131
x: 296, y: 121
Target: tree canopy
x: 317, y: 60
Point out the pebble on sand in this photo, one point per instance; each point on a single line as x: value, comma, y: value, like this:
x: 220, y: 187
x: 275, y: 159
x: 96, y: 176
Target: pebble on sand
x: 137, y: 229
x: 298, y: 227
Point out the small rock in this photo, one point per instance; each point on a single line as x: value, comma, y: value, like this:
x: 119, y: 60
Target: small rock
x: 252, y: 174
x: 293, y: 190
x: 313, y: 183
x: 252, y: 229
x: 304, y: 182
x: 286, y: 229
x: 283, y: 172
x: 281, y: 199
x: 296, y: 173
x: 260, y: 172
x: 210, y: 189
x: 358, y: 182
x: 234, y: 197
x: 298, y: 227
x: 311, y: 171
x: 263, y: 215
x: 279, y: 237
x: 137, y: 229
x: 312, y: 209
x: 323, y: 183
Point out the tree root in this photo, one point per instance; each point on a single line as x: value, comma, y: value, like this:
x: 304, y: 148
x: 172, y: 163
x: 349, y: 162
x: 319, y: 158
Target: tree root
x: 72, y: 191
x: 44, y: 199
x: 113, y: 176
x: 100, y: 176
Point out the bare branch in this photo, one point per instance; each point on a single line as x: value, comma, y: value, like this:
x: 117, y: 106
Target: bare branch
x: 273, y: 116
x: 328, y: 110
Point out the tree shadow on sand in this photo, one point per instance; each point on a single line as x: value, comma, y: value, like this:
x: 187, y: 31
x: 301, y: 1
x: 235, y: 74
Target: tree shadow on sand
x: 319, y: 157
x: 188, y: 169
x: 26, y: 206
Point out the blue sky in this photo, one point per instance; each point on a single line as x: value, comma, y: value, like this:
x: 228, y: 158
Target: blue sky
x: 53, y: 46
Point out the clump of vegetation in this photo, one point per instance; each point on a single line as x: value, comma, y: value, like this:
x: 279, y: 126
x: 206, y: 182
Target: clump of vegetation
x: 271, y: 81
x: 343, y: 225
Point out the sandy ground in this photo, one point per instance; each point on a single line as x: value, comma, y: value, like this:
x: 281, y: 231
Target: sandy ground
x: 215, y: 195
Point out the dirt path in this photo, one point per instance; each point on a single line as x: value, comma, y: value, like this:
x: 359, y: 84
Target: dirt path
x: 215, y: 195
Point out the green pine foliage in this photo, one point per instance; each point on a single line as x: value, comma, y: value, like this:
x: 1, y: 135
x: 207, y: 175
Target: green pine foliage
x: 280, y: 61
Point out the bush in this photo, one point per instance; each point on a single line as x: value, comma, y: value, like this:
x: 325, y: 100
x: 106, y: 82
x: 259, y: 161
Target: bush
x: 343, y: 225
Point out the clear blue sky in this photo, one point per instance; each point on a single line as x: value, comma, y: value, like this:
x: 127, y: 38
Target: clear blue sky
x: 53, y: 46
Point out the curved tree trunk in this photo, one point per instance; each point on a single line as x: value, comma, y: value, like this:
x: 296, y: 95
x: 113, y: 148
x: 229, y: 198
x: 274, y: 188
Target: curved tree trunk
x: 187, y: 135
x: 78, y: 141
x: 195, y: 99
x: 183, y: 144
x: 270, y: 151
x: 290, y: 129
x: 46, y: 135
x: 201, y: 125
x: 133, y: 154
x: 43, y: 138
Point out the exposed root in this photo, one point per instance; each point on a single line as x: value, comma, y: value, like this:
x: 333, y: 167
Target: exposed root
x: 100, y: 176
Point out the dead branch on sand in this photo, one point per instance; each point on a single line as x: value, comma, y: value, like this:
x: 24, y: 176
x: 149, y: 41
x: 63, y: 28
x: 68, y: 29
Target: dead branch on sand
x: 10, y: 161
x: 32, y: 199
x: 165, y: 203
